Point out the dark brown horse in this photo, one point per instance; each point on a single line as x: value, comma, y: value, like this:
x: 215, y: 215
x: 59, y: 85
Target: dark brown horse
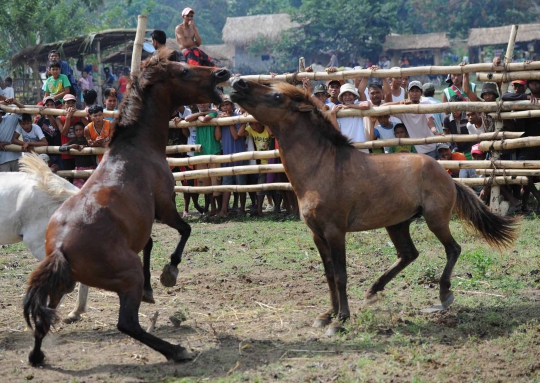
x: 341, y: 189
x: 96, y: 235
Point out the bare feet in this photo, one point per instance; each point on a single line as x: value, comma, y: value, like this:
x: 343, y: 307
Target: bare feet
x: 186, y: 215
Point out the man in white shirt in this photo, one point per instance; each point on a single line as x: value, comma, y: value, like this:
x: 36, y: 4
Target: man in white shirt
x: 352, y: 127
x: 419, y: 125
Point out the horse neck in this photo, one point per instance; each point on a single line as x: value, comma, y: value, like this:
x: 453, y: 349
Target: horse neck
x: 151, y: 127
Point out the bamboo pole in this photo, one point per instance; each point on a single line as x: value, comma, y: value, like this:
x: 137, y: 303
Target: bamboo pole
x: 100, y: 84
x: 53, y: 112
x: 517, y: 115
x: 495, y: 181
x: 517, y: 143
x: 138, y: 45
x: 229, y: 171
x: 220, y: 159
x: 75, y: 173
x: 510, y: 172
x: 384, y: 73
x: 95, y: 150
x: 447, y: 108
x: 287, y: 186
x: 233, y: 188
x: 495, y: 198
x: 508, y: 77
x: 488, y: 164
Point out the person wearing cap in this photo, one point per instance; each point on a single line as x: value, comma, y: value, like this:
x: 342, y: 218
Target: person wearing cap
x: 334, y: 87
x: 352, y: 127
x: 319, y: 95
x: 490, y: 92
x: 233, y: 141
x: 446, y: 154
x: 189, y: 40
x: 9, y: 161
x: 429, y: 92
x: 418, y: 125
x: 57, y: 85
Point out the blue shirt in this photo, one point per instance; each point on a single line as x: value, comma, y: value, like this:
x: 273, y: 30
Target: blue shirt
x: 230, y: 145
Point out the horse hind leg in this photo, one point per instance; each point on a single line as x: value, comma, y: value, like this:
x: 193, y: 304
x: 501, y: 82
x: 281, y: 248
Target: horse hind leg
x: 406, y: 252
x: 325, y: 318
x: 441, y: 229
x: 148, y: 293
x: 128, y: 323
x: 80, y: 306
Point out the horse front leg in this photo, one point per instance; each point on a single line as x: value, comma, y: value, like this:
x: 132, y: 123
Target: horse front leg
x: 170, y: 271
x: 325, y: 318
x: 336, y: 243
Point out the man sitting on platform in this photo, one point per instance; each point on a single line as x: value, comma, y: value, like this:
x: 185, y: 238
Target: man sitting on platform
x: 189, y: 40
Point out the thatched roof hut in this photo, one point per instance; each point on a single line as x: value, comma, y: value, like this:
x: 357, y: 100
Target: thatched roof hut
x: 500, y: 35
x: 416, y: 42
x: 72, y: 48
x: 240, y: 31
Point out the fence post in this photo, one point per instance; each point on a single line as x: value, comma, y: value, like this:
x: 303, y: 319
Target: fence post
x: 138, y: 45
x: 495, y: 198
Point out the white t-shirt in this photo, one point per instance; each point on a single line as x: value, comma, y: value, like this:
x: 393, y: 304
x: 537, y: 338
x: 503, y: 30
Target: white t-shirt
x: 353, y: 127
x: 34, y: 135
x: 8, y: 92
x: 417, y: 126
x: 401, y: 96
x: 474, y: 130
x: 192, y: 130
x: 385, y: 133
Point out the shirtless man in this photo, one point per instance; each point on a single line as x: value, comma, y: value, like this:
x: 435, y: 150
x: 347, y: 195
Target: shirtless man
x: 189, y: 40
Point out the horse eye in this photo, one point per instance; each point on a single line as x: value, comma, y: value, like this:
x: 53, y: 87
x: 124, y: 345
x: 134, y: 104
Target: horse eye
x: 277, y: 97
x: 184, y: 71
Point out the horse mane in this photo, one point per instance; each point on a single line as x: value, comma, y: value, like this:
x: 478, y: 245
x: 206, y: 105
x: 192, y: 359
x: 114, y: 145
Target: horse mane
x: 153, y: 70
x: 46, y: 180
x: 322, y: 128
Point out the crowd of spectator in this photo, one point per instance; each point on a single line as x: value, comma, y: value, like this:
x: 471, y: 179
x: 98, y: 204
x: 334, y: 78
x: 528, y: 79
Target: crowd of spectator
x: 73, y: 133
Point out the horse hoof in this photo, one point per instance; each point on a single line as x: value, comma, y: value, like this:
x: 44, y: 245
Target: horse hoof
x: 36, y: 358
x: 334, y: 329
x: 168, y: 275
x: 321, y: 322
x: 181, y: 355
x: 370, y: 299
x: 148, y: 296
x: 447, y: 300
x: 72, y: 318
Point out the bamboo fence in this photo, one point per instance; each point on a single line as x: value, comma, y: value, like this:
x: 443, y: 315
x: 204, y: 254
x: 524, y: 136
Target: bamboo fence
x: 510, y: 172
x: 517, y: 115
x: 517, y: 143
x: 508, y: 77
x: 89, y: 151
x: 228, y: 171
x: 387, y: 73
x: 138, y: 45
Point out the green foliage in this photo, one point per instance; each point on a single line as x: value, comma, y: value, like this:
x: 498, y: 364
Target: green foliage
x: 480, y: 259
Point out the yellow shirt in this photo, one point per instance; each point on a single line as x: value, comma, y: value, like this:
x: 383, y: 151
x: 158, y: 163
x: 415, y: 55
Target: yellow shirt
x: 261, y: 140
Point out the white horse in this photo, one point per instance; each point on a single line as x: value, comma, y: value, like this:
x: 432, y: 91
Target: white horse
x: 27, y: 202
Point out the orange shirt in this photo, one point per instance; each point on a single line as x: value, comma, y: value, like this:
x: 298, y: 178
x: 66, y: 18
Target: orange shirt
x: 457, y: 156
x: 105, y: 134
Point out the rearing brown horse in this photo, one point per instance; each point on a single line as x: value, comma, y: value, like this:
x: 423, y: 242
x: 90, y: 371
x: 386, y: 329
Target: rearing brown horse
x: 341, y: 189
x: 96, y: 235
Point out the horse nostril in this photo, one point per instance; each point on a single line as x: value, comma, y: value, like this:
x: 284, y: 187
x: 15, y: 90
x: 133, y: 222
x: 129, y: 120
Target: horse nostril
x: 241, y: 84
x: 222, y: 74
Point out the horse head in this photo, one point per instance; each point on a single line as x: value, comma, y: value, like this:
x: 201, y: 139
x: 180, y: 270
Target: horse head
x: 171, y: 84
x: 281, y: 104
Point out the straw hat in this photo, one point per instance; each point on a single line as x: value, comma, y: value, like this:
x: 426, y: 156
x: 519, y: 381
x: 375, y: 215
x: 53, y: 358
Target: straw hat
x: 347, y: 88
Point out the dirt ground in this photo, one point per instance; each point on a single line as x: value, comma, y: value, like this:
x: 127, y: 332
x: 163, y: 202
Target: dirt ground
x: 249, y: 305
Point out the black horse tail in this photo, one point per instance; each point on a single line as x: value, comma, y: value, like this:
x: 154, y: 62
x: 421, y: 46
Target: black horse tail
x: 498, y: 231
x: 52, y: 276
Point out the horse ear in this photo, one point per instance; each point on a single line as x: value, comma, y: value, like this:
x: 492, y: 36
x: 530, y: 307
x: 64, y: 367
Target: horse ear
x: 303, y: 107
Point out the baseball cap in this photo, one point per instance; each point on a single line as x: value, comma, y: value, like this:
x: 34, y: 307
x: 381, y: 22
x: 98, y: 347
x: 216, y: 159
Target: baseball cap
x: 443, y: 146
x: 476, y: 149
x: 331, y: 81
x: 413, y: 84
x: 49, y: 98
x: 522, y: 82
x: 226, y: 98
x: 321, y: 88
x: 428, y: 86
x: 69, y: 97
x: 186, y: 11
